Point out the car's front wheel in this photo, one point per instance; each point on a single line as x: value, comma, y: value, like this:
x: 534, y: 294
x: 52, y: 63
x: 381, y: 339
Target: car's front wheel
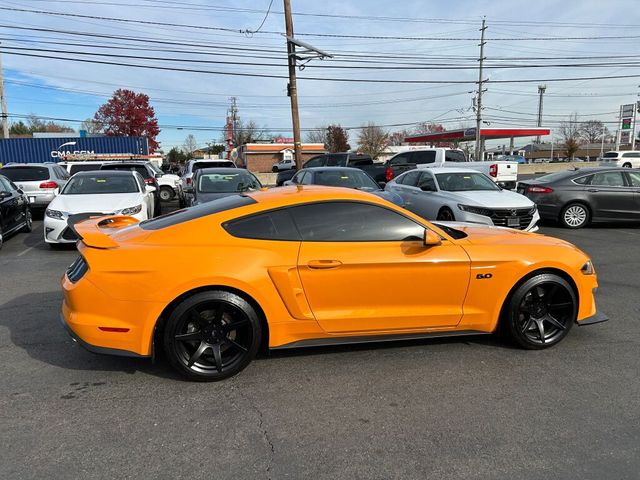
x: 541, y: 311
x: 446, y: 215
x: 28, y: 222
x: 574, y: 215
x: 212, y: 335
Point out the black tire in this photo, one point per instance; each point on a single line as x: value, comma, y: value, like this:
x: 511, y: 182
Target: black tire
x: 541, y: 311
x: 446, y: 215
x: 157, y: 208
x: 28, y: 226
x: 626, y: 165
x: 575, y: 215
x: 212, y: 335
x: 1, y: 237
x: 274, y: 169
x: 167, y: 194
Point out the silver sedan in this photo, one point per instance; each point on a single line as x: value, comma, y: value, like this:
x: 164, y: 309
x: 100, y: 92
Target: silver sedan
x: 461, y: 195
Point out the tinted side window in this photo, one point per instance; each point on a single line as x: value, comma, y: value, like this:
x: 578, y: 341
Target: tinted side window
x: 608, y: 179
x: 297, y: 178
x: 634, y: 177
x: 420, y: 158
x: 274, y: 225
x: 411, y: 178
x: 314, y: 162
x: 353, y: 222
x: 454, y: 156
x: 307, y: 179
x: 399, y: 160
x: 583, y: 180
x: 631, y: 154
x: 427, y: 183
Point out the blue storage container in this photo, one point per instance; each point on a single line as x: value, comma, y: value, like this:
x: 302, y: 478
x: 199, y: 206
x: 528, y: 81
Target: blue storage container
x: 38, y: 150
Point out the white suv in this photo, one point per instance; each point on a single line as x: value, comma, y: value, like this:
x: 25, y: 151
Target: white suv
x: 617, y: 158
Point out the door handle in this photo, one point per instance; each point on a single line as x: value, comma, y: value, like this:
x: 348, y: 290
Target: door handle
x: 593, y: 190
x: 320, y: 264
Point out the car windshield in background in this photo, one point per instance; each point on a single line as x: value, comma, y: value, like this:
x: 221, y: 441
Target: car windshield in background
x: 227, y: 182
x: 155, y: 168
x: 83, y: 168
x: 464, y: 182
x: 349, y: 179
x: 26, y: 174
x: 218, y: 164
x: 610, y: 155
x: 100, y: 184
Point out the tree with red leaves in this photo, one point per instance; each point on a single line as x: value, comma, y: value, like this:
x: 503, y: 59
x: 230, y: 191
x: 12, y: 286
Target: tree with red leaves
x: 129, y: 114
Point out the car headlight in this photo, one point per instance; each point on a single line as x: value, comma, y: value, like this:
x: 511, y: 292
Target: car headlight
x: 57, y: 214
x: 477, y: 210
x: 131, y: 210
x: 587, y: 268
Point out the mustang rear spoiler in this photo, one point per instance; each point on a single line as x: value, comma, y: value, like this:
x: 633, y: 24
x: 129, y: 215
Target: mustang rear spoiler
x: 95, y: 231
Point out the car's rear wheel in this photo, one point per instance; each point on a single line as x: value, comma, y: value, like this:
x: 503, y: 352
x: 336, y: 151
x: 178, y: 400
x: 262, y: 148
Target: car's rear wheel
x: 446, y: 215
x: 212, y: 335
x: 541, y: 311
x: 167, y: 194
x: 28, y: 224
x: 574, y: 215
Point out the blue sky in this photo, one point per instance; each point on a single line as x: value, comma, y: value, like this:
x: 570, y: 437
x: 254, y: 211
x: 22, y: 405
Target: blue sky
x: 51, y: 87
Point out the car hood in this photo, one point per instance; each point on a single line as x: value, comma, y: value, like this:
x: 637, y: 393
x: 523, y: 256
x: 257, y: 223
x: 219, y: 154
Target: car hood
x: 491, y: 199
x: 488, y: 235
x: 105, y: 203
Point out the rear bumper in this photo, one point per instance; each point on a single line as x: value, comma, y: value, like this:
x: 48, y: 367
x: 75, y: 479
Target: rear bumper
x: 40, y: 199
x: 94, y: 348
x: 593, y: 319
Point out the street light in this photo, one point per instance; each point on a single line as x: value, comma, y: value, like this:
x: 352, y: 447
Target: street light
x: 64, y: 145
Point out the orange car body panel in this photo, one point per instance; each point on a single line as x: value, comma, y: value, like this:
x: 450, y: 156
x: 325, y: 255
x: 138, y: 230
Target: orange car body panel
x: 306, y: 290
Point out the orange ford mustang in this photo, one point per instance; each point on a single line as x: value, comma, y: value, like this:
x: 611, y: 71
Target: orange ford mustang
x: 301, y: 266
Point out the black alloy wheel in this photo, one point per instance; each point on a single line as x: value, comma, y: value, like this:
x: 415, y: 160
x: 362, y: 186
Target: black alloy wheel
x: 212, y: 335
x: 446, y: 215
x: 28, y: 224
x: 541, y: 311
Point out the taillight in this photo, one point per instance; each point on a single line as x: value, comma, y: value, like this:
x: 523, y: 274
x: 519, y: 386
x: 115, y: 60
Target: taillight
x: 493, y: 170
x: 50, y: 184
x: 388, y: 174
x: 539, y: 189
x: 149, y: 181
x: 189, y: 181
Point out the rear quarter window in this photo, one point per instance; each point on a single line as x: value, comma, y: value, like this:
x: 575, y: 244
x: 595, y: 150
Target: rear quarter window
x: 187, y: 214
x: 273, y: 225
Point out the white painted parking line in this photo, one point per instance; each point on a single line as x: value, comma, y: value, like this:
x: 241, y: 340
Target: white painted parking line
x: 30, y: 248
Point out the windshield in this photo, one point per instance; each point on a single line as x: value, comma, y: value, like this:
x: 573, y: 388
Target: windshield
x: 349, y: 179
x: 465, y: 181
x: 227, y: 182
x: 216, y: 164
x: 26, y: 174
x: 610, y: 155
x: 99, y: 184
x: 155, y: 168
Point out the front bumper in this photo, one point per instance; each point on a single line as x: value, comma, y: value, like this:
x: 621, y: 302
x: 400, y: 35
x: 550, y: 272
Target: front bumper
x: 468, y: 217
x: 598, y: 317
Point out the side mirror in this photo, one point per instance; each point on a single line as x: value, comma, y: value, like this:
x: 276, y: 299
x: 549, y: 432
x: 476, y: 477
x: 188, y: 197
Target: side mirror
x: 150, y: 189
x: 431, y: 239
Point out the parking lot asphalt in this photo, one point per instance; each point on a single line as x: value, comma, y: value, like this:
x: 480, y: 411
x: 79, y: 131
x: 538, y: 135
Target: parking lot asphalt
x: 472, y: 408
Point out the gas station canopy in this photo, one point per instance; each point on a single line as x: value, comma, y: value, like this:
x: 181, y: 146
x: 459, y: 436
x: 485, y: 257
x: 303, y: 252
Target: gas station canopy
x: 469, y: 134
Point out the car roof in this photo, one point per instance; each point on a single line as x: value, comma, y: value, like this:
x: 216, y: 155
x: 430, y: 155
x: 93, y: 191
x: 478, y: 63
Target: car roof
x: 126, y: 162
x: 449, y: 170
x: 109, y: 173
x: 221, y: 170
x: 331, y: 169
x: 295, y: 195
x: 15, y: 164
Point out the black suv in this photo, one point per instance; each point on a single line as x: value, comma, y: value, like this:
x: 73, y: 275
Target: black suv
x: 143, y: 168
x: 347, y: 159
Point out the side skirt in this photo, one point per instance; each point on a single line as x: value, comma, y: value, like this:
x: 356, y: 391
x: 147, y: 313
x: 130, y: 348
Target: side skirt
x: 323, y: 342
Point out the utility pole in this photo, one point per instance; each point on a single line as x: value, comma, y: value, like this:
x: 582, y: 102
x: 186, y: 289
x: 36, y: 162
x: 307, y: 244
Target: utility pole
x: 3, y: 105
x: 292, y: 88
x: 541, y: 90
x: 479, y: 150
x: 305, y: 55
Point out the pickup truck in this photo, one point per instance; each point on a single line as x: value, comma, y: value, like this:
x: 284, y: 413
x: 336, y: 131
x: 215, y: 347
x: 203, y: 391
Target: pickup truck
x: 504, y: 173
x: 354, y: 160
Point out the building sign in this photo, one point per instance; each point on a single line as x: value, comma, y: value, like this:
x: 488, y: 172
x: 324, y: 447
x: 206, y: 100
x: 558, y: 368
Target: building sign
x: 283, y: 140
x: 470, y: 132
x: 60, y: 154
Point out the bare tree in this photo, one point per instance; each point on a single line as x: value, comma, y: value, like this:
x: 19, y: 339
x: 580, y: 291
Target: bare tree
x: 591, y: 131
x: 91, y: 126
x: 317, y: 135
x: 373, y: 140
x: 248, y: 132
x: 570, y: 135
x: 397, y: 138
x: 190, y: 144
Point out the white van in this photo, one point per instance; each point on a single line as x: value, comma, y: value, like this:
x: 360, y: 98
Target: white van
x: 621, y: 158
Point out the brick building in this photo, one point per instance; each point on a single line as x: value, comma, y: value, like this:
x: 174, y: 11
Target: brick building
x: 260, y: 157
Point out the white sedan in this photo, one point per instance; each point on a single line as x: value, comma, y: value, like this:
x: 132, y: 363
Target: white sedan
x: 96, y: 193
x: 463, y: 195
